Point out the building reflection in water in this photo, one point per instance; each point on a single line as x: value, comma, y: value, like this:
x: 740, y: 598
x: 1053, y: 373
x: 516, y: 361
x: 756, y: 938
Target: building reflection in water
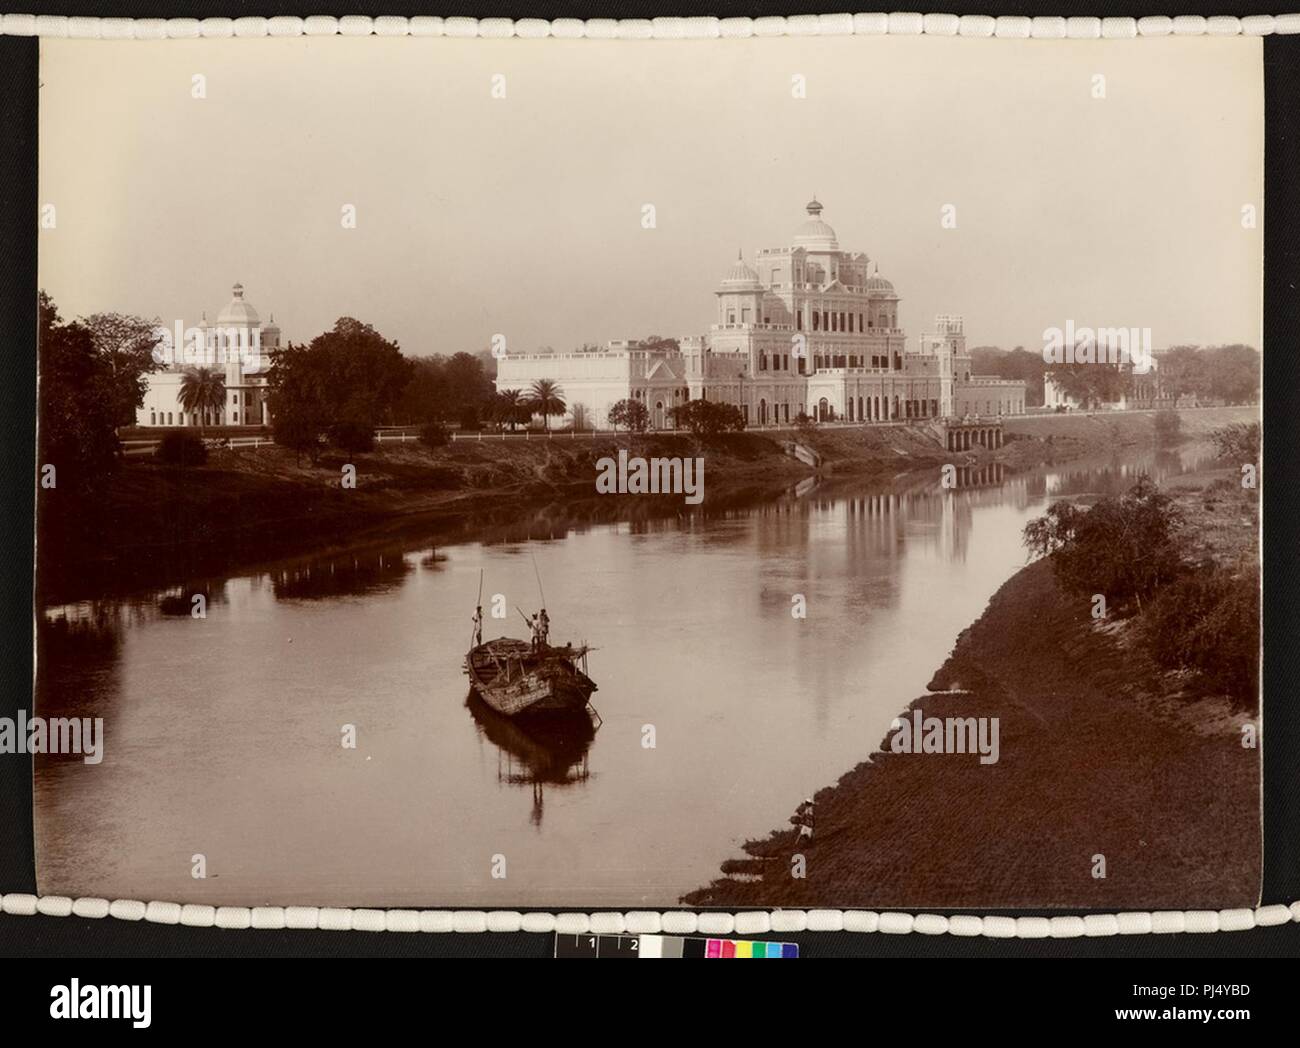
x: 537, y: 752
x: 342, y: 576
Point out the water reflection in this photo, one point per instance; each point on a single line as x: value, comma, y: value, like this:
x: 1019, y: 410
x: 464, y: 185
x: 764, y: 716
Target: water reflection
x: 536, y: 752
x: 348, y: 575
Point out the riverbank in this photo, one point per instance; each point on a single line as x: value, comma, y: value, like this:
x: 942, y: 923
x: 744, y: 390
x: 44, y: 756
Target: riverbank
x: 1100, y: 754
x: 154, y: 525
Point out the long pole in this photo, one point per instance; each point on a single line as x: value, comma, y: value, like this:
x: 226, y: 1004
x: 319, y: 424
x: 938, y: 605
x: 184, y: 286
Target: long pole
x: 476, y: 635
x: 539, y: 580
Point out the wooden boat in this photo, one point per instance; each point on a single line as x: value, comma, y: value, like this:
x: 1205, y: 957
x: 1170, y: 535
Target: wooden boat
x: 513, y: 677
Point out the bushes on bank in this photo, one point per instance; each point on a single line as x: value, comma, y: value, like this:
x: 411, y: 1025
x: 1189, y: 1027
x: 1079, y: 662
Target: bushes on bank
x: 1208, y: 621
x: 434, y: 435
x: 353, y: 436
x: 1202, y: 617
x: 1123, y: 547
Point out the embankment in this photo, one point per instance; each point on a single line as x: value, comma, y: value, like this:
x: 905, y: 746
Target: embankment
x: 1100, y: 754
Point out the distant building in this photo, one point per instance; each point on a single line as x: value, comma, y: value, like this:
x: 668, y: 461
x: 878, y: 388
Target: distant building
x: 1136, y: 392
x: 809, y: 328
x: 236, y: 340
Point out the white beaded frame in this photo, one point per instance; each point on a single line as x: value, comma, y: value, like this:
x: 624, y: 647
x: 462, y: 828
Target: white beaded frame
x: 896, y: 23
x: 648, y: 922
x: 653, y: 922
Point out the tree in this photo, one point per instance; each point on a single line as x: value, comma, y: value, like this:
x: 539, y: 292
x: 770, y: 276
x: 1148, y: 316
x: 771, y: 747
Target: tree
x: 202, y: 390
x: 1091, y: 384
x: 344, y: 383
x: 545, y: 398
x: 511, y: 407
x: 1124, y: 547
x: 425, y: 398
x: 655, y: 342
x: 707, y: 418
x: 1234, y: 373
x: 1019, y: 364
x: 631, y: 413
x: 298, y: 401
x: 78, y: 403
x: 468, y: 384
x: 364, y: 373
x: 1168, y: 426
x: 127, y: 346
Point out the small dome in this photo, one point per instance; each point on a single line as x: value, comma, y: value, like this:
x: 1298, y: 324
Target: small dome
x: 879, y: 284
x: 238, y: 313
x: 741, y: 277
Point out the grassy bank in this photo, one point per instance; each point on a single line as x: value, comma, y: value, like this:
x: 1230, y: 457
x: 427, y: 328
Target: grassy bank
x: 1101, y: 753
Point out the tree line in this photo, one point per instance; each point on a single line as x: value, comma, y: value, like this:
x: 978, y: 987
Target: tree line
x: 1230, y: 373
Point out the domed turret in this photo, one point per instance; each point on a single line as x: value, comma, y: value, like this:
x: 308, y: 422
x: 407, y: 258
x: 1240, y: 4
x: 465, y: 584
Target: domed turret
x: 741, y: 276
x: 878, y: 285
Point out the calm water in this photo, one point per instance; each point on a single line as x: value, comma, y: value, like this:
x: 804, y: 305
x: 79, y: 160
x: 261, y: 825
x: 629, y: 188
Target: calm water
x: 223, y: 734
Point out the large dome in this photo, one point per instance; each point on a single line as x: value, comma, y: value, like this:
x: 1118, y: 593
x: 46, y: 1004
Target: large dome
x: 814, y: 234
x: 238, y: 313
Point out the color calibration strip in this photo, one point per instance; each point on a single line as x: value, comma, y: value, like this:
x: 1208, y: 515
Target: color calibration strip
x: 667, y: 946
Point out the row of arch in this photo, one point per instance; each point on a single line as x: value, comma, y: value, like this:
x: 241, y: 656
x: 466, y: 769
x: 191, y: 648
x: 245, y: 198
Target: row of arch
x: 974, y: 436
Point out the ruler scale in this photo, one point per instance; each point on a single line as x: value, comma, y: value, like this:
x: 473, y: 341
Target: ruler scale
x: 632, y: 946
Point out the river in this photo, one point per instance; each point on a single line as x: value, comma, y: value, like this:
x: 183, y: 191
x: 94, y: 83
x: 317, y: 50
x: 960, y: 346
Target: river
x: 224, y: 734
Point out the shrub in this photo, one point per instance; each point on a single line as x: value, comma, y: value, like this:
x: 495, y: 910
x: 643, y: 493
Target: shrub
x: 434, y: 435
x: 706, y: 418
x: 181, y: 449
x: 468, y: 418
x: 1238, y: 441
x: 631, y: 414
x: 1168, y: 426
x: 1122, y: 547
x: 1209, y: 622
x: 352, y: 436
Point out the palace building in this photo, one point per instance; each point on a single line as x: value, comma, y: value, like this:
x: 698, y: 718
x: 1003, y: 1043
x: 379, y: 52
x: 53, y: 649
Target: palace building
x: 239, y: 345
x: 807, y: 328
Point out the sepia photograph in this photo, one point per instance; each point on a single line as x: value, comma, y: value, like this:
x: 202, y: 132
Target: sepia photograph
x: 806, y: 472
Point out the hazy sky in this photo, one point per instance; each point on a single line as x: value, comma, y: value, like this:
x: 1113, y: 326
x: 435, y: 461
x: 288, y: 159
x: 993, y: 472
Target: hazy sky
x: 522, y: 215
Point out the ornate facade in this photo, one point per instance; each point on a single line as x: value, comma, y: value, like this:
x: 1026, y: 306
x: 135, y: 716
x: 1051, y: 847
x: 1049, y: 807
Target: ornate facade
x: 239, y: 345
x: 808, y: 328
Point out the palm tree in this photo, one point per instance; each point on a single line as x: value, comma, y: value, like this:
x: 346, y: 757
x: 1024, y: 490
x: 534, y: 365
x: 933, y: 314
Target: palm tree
x: 202, y: 390
x: 512, y: 403
x: 546, y: 398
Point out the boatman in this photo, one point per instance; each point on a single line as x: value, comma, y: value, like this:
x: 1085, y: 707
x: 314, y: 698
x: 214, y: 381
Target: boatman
x: 478, y: 625
x: 544, y: 628
x: 803, y: 818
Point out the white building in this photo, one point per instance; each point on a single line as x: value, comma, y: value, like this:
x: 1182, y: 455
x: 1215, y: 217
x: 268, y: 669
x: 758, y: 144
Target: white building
x: 811, y: 328
x: 240, y: 346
